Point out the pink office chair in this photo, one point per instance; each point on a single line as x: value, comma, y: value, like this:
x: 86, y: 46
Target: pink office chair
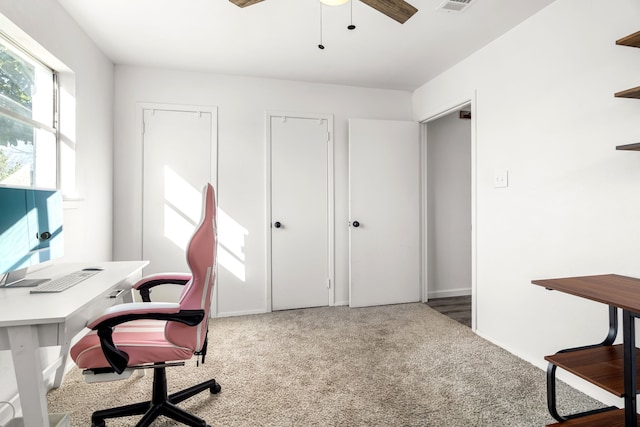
x: 156, y: 335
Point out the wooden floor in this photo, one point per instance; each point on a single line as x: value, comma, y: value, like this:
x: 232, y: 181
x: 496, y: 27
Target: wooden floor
x: 457, y: 308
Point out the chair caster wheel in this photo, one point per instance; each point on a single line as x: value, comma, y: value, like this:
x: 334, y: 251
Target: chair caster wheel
x: 215, y: 388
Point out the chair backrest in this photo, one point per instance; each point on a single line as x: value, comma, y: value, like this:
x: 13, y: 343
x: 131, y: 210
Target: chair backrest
x: 201, y: 258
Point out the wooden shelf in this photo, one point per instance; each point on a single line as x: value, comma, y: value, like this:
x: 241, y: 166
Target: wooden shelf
x: 629, y: 93
x: 601, y: 366
x: 629, y: 147
x: 632, y: 40
x: 614, y: 418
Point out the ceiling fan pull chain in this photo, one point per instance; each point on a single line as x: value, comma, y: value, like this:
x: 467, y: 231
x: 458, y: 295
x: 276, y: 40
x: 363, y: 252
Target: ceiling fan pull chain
x: 320, y: 46
x: 351, y: 26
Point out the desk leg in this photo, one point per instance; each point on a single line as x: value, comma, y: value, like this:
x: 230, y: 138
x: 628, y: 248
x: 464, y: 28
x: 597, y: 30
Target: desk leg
x: 28, y: 369
x: 630, y: 369
x: 64, y: 355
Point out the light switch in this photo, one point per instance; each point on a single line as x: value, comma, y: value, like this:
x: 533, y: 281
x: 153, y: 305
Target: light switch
x: 501, y: 178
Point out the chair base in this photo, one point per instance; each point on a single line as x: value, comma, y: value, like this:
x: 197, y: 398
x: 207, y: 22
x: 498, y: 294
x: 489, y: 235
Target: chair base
x: 160, y: 404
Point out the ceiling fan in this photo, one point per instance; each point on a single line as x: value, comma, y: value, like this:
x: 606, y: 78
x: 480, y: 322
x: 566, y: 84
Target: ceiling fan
x: 398, y: 10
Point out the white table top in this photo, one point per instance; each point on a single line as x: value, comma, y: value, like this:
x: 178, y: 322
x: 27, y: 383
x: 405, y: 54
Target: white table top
x: 19, y: 307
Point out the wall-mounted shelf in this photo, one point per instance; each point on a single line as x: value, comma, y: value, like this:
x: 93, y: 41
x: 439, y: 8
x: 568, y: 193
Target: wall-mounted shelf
x: 632, y: 40
x: 629, y: 93
x: 629, y: 147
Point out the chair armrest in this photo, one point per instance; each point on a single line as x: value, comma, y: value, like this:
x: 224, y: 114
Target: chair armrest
x: 145, y: 284
x: 123, y: 313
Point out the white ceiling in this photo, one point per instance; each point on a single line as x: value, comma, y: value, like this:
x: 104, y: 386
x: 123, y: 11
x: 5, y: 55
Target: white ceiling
x: 279, y: 38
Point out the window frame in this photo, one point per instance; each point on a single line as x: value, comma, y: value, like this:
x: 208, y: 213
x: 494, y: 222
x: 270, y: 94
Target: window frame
x: 54, y: 128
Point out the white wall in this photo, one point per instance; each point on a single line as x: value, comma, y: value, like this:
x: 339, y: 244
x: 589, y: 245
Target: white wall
x: 87, y: 79
x: 449, y: 206
x: 87, y: 119
x: 242, y: 104
x: 546, y: 112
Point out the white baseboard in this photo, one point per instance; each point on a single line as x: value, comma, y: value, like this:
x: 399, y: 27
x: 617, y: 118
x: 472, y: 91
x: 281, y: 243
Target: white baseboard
x: 251, y: 312
x: 240, y: 313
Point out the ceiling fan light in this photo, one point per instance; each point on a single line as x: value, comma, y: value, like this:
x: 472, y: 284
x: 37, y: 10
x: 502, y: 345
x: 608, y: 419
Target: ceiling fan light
x: 333, y: 2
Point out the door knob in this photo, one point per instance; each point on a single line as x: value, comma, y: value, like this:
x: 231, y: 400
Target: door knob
x: 356, y: 224
x: 277, y: 224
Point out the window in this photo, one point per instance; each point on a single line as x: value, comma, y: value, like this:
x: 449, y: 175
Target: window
x: 28, y: 134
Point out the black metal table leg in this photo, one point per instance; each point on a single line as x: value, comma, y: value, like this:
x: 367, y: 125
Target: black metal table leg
x: 630, y: 386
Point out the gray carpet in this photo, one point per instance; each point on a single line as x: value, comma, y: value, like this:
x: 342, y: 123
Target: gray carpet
x: 400, y: 365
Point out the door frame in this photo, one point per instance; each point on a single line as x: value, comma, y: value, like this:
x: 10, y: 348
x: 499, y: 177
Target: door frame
x: 213, y: 173
x: 330, y: 202
x: 454, y: 106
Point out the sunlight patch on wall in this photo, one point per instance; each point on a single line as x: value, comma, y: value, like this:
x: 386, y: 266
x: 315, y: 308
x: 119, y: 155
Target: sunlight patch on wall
x: 183, y: 196
x: 176, y: 228
x: 182, y: 211
x: 231, y: 239
x: 182, y: 208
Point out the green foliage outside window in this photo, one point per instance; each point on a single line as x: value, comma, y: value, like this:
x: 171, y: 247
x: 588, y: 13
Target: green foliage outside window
x: 16, y: 87
x: 6, y: 169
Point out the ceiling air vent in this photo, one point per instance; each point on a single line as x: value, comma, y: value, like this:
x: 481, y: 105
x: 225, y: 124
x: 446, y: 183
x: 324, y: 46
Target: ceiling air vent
x: 454, y: 5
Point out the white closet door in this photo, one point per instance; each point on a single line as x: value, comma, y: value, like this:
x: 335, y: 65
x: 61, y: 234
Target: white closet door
x: 384, y: 212
x: 299, y: 212
x: 179, y: 153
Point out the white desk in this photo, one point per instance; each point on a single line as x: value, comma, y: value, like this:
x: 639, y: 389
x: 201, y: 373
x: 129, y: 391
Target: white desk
x: 30, y: 321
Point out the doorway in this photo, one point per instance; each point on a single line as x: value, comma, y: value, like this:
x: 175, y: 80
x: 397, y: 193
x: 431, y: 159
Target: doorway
x: 449, y: 191
x: 300, y: 210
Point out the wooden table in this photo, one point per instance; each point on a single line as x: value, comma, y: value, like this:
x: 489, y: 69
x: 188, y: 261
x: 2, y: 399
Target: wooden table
x: 611, y: 367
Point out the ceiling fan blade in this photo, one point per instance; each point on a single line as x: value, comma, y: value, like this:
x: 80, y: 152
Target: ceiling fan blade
x: 244, y: 3
x: 399, y: 10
